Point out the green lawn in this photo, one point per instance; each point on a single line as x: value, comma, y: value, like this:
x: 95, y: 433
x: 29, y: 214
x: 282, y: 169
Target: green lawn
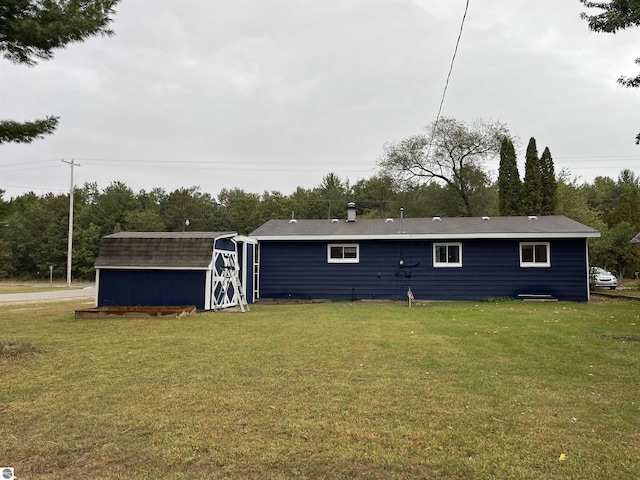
x: 515, y: 390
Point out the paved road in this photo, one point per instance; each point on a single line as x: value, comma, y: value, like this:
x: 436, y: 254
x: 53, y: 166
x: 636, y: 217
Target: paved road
x: 53, y: 294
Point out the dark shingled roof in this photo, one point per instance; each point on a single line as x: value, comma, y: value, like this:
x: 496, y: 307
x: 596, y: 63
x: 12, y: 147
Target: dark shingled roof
x: 158, y: 249
x: 458, y: 227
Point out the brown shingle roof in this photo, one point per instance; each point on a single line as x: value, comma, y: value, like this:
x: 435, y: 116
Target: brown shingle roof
x: 457, y: 227
x: 158, y: 249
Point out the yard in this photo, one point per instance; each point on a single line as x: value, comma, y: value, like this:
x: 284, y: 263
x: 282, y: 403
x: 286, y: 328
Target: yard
x: 486, y: 390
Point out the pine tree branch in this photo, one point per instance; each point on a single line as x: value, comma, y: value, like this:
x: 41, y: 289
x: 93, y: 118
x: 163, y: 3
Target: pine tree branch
x: 26, y: 132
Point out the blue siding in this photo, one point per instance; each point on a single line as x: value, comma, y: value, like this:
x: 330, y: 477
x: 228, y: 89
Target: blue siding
x: 225, y: 244
x: 246, y: 267
x: 151, y: 288
x: 490, y: 268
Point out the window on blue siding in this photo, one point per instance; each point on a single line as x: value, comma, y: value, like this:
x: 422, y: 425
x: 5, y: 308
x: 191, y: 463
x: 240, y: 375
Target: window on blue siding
x: 447, y: 254
x: 343, y: 253
x: 535, y: 254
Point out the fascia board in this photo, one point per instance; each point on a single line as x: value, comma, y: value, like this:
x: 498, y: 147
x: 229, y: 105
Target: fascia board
x: 423, y: 236
x: 129, y: 267
x: 245, y: 239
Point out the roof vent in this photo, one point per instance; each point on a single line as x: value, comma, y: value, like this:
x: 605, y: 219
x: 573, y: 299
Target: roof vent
x: 334, y: 220
x: 436, y: 219
x: 351, y: 212
x: 388, y: 220
x: 293, y: 220
x: 486, y: 218
x: 532, y: 217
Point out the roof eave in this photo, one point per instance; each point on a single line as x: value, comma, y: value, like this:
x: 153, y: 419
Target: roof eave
x: 429, y: 236
x: 147, y: 267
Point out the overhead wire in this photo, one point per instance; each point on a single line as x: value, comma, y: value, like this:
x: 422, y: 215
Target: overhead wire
x: 446, y: 84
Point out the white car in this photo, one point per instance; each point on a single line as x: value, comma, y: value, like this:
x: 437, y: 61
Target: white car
x: 599, y: 277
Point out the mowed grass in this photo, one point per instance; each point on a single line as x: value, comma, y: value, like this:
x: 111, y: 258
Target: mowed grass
x: 516, y: 390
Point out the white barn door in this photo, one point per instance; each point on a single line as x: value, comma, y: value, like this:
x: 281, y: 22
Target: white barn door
x: 226, y: 290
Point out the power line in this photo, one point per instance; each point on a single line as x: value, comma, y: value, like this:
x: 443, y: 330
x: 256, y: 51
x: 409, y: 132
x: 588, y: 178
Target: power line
x: 453, y: 59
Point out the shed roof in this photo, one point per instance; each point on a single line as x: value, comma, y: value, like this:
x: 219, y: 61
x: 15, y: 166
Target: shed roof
x: 190, y: 250
x: 522, y: 227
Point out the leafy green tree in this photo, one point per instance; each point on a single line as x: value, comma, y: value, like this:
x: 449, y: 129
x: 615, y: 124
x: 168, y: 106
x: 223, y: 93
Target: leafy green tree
x: 188, y: 209
x: 549, y: 184
x: 240, y: 210
x: 627, y: 210
x: 375, y: 197
x: 306, y: 203
x: 616, y: 15
x: 572, y: 202
x: 110, y: 209
x: 614, y: 251
x: 149, y: 218
x: 509, y: 183
x: 86, y: 244
x: 274, y: 205
x: 602, y: 194
x: 451, y: 152
x: 532, y: 187
x: 36, y: 233
x: 31, y: 30
x: 143, y: 221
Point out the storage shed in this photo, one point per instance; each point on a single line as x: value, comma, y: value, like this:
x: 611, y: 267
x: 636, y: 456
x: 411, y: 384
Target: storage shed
x: 205, y: 269
x: 531, y: 257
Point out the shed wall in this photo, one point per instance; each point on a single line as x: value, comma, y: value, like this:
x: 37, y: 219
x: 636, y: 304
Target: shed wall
x: 490, y: 268
x: 151, y: 287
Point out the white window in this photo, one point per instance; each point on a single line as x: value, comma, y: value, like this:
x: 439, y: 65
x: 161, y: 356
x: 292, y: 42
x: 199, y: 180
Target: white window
x: 535, y: 254
x: 447, y: 254
x: 343, y: 253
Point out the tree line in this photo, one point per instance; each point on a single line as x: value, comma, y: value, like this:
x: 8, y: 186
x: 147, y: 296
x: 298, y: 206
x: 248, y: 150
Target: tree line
x: 34, y: 228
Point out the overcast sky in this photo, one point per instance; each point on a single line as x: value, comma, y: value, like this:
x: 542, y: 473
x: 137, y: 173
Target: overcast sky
x: 274, y: 94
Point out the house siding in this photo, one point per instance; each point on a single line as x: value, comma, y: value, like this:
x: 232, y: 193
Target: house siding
x: 246, y: 270
x: 490, y: 268
x: 124, y: 287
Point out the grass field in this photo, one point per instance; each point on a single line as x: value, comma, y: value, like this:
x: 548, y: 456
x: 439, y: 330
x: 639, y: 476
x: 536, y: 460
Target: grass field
x: 515, y: 390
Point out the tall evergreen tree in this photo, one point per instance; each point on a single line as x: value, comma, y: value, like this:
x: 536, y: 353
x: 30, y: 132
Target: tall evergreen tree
x: 31, y: 30
x: 532, y: 187
x: 509, y: 184
x: 549, y: 184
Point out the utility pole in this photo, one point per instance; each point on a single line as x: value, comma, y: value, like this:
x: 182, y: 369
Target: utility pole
x: 70, y: 240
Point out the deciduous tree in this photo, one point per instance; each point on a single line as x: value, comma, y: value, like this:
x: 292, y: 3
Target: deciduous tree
x: 451, y: 152
x: 616, y: 15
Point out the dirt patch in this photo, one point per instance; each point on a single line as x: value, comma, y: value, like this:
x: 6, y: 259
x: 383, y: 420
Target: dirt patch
x: 15, y: 350
x: 621, y: 338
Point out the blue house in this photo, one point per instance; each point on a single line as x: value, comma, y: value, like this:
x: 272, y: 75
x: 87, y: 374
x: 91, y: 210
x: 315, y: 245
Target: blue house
x: 210, y: 270
x: 436, y: 258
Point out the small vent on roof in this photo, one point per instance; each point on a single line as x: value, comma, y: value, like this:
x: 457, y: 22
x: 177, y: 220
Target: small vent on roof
x: 436, y: 219
x: 293, y: 220
x: 486, y: 218
x: 532, y: 217
x: 351, y: 212
x: 334, y: 220
x: 388, y: 220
